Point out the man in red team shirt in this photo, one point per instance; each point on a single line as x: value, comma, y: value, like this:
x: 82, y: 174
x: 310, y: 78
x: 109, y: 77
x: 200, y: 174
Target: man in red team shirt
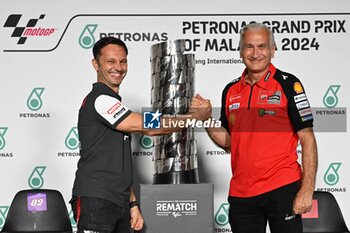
x: 264, y: 113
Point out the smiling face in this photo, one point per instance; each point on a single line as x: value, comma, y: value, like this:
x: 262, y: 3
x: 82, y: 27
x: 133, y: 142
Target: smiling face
x: 111, y: 66
x: 257, y: 52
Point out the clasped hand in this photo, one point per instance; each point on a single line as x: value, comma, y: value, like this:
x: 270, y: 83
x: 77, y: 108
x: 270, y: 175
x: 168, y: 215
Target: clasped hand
x: 200, y: 108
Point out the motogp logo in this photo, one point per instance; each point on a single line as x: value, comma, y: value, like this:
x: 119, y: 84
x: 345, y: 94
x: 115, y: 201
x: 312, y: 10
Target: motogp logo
x: 29, y: 30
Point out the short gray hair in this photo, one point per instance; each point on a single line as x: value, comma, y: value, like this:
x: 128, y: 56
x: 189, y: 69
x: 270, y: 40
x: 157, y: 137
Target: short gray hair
x: 254, y: 26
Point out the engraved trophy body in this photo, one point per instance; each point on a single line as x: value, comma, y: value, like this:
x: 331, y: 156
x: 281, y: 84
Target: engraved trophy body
x: 172, y: 76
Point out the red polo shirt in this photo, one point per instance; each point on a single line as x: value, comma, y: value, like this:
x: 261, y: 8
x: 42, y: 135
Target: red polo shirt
x: 262, y: 120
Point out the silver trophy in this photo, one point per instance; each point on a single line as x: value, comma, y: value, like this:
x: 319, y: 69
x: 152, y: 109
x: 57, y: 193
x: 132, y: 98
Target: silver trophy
x: 172, y: 77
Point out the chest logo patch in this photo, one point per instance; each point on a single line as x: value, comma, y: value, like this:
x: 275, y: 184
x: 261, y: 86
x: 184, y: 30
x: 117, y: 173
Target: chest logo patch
x: 275, y: 98
x: 232, y: 98
x: 232, y: 118
x: 263, y: 112
x: 233, y: 106
x: 269, y: 97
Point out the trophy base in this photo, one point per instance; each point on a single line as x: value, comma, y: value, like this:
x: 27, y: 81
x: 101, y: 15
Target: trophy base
x: 180, y: 177
x: 179, y: 208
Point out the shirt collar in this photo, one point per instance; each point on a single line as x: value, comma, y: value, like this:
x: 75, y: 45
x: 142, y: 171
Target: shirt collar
x: 107, y: 89
x: 264, y: 80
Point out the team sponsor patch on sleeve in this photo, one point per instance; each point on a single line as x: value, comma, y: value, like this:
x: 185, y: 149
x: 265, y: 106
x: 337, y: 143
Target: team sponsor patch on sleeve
x: 307, y: 118
x: 298, y: 88
x: 305, y: 112
x: 299, y: 98
x: 303, y: 104
x: 110, y: 108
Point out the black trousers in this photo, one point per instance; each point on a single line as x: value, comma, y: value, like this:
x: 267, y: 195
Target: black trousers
x: 251, y: 215
x: 100, y: 216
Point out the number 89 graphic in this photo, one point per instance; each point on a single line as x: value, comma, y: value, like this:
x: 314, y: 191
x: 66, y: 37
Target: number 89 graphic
x: 37, y: 202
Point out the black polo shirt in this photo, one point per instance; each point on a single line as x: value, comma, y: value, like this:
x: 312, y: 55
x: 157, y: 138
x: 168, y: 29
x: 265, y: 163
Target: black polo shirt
x: 105, y: 164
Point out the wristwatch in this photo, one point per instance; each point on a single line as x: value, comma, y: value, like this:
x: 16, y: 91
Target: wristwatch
x: 133, y: 204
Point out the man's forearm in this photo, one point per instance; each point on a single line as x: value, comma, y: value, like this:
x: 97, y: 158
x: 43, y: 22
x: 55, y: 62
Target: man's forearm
x: 220, y: 137
x: 309, y: 159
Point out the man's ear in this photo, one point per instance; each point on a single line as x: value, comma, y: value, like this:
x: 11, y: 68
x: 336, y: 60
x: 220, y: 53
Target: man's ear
x: 95, y: 64
x: 273, y: 50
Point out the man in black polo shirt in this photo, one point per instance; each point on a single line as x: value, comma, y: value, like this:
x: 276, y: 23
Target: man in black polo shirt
x: 103, y: 200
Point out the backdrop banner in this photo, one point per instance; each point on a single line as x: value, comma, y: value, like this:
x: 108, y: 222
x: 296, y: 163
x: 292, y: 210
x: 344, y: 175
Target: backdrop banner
x: 46, y: 69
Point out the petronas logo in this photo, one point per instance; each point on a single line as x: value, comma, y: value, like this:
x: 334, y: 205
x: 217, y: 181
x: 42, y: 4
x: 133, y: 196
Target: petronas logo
x: 34, y: 101
x: 146, y: 142
x: 72, y: 139
x: 72, y: 221
x: 86, y: 38
x: 36, y: 180
x: 3, y: 213
x: 331, y: 177
x: 221, y: 216
x: 2, y: 137
x: 330, y: 99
